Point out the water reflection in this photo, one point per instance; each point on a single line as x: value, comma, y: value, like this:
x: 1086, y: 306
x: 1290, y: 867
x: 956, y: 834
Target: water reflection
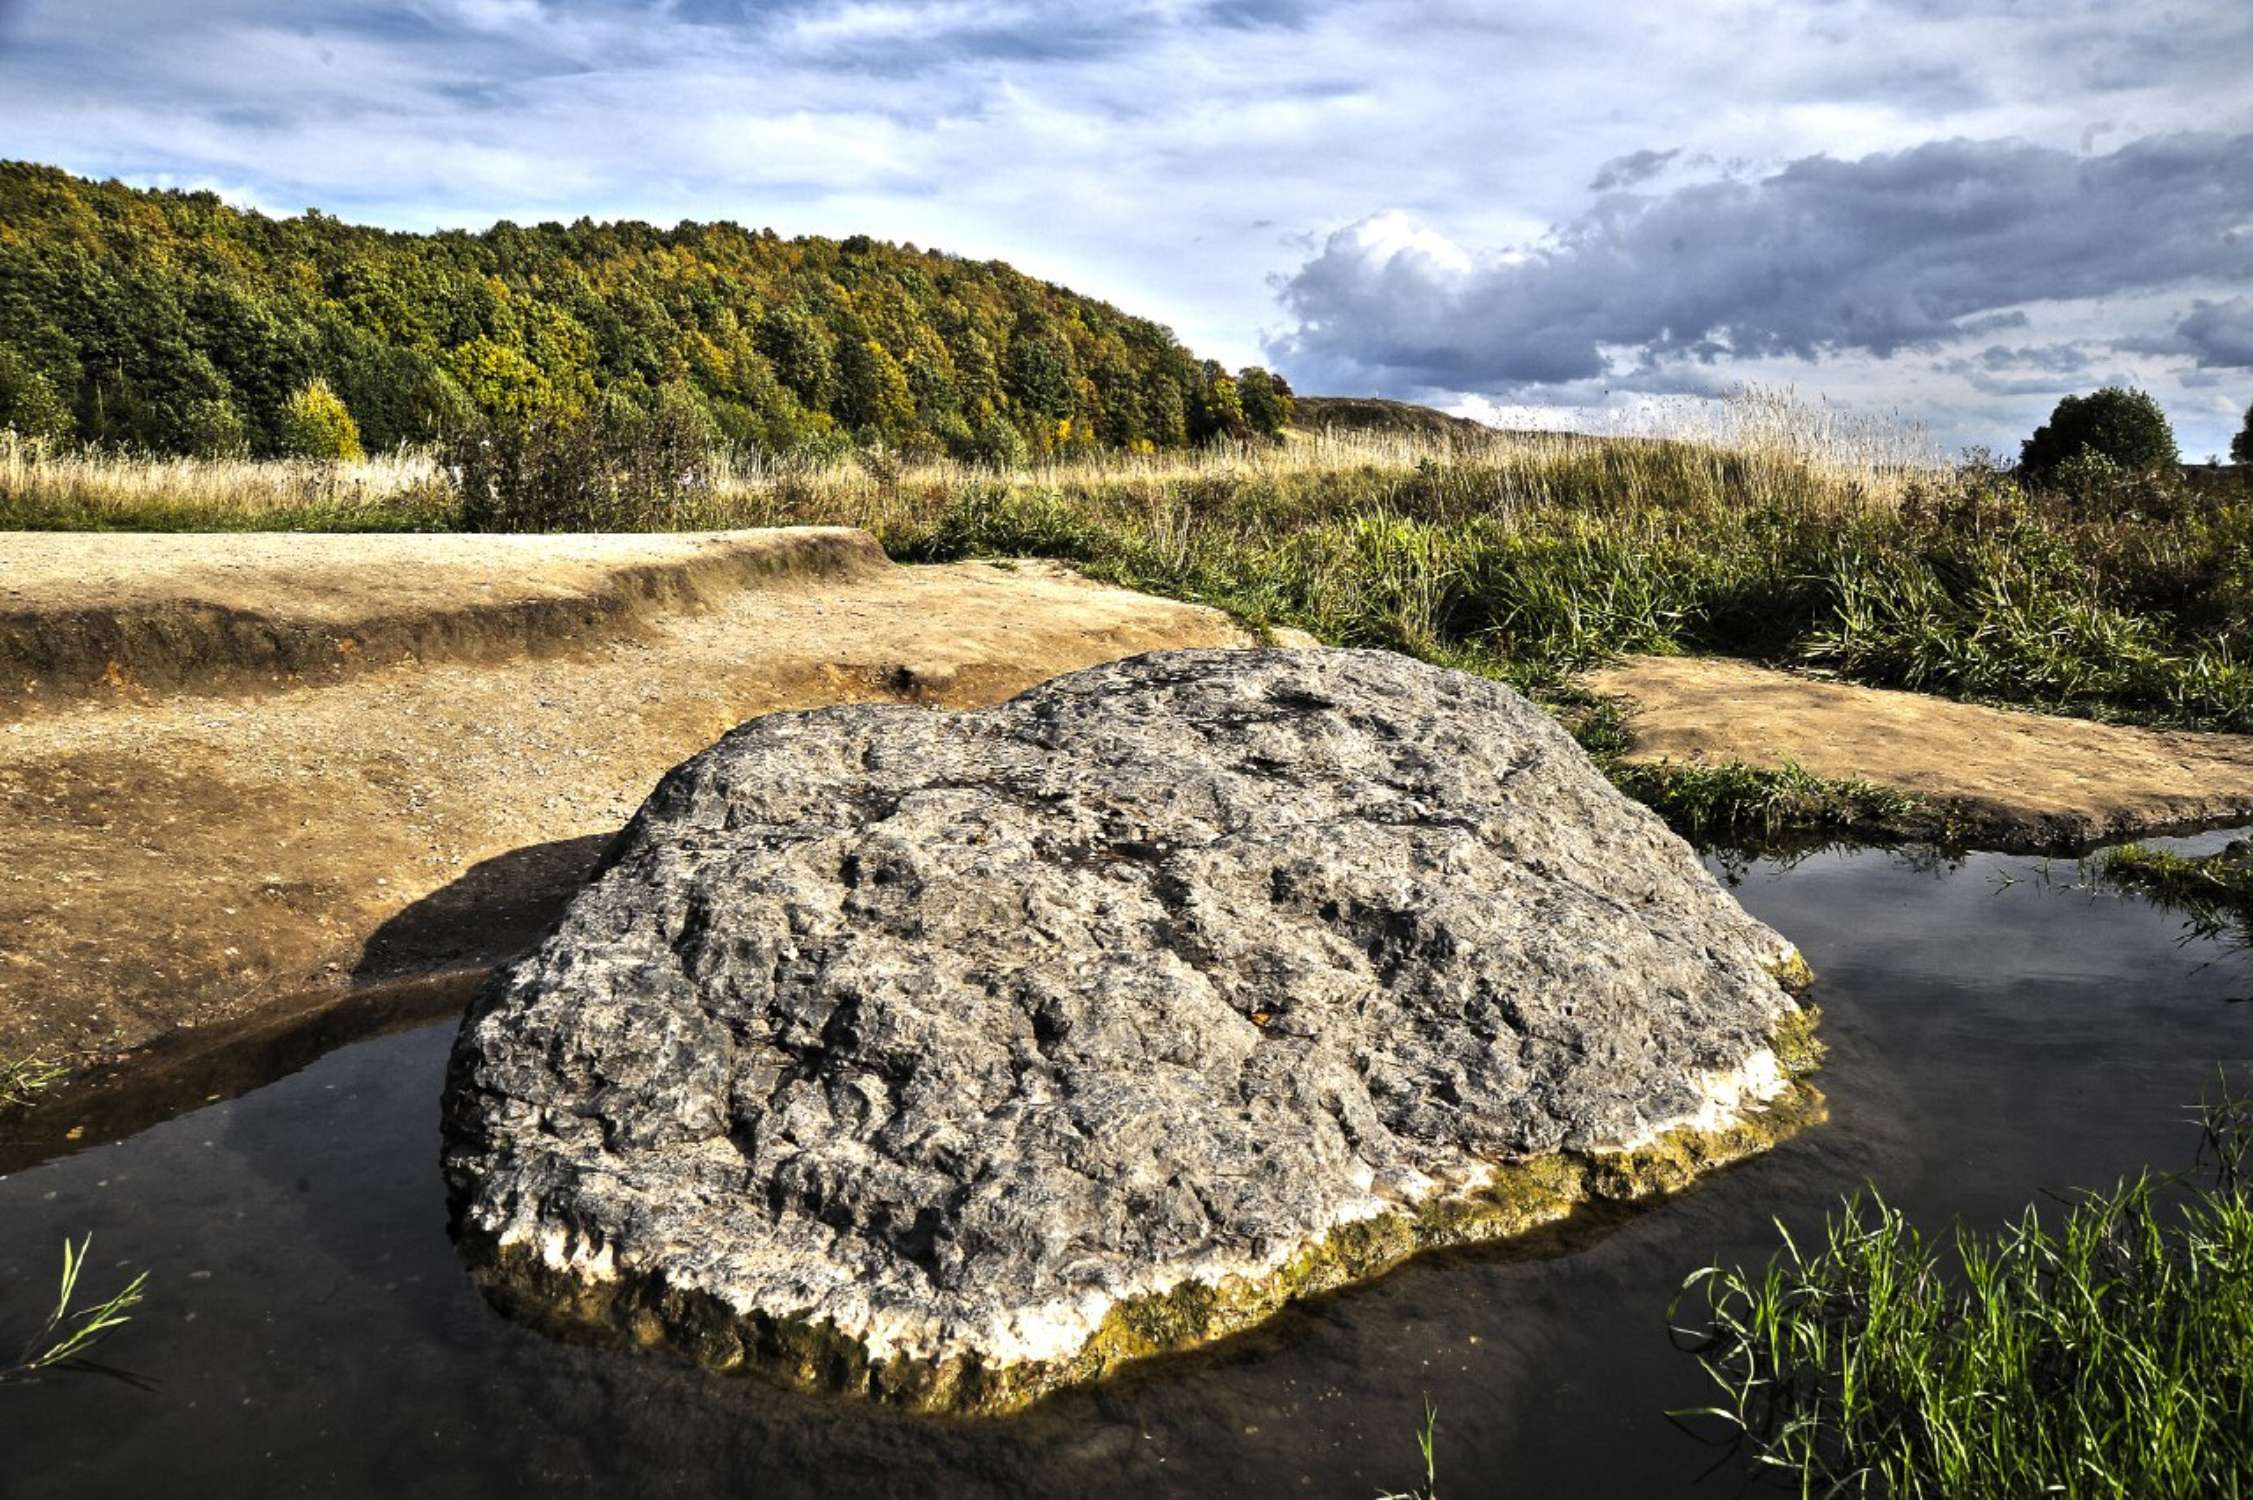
x: 1997, y: 1027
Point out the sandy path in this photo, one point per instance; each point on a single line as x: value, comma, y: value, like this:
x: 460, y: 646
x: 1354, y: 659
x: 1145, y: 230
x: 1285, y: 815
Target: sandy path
x: 179, y: 862
x: 2018, y: 779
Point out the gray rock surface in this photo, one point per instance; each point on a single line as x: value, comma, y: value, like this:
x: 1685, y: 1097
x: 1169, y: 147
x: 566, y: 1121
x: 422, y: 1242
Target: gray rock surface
x: 946, y: 1033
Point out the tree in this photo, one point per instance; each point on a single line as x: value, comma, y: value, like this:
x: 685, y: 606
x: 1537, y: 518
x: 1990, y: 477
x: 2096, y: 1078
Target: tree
x: 873, y: 395
x: 498, y: 379
x: 997, y: 443
x: 1220, y: 412
x: 2241, y: 446
x: 1040, y: 375
x: 1267, y: 400
x: 315, y: 424
x: 163, y: 320
x: 401, y: 396
x: 2124, y: 428
x: 29, y: 403
x: 799, y: 350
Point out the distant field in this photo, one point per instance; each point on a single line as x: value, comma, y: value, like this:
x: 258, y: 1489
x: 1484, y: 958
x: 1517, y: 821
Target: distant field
x: 1774, y: 533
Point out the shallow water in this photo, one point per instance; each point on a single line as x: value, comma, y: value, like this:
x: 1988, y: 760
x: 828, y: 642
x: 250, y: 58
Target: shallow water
x: 1995, y: 1032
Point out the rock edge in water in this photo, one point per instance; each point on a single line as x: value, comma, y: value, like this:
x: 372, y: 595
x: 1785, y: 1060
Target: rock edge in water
x: 954, y: 1058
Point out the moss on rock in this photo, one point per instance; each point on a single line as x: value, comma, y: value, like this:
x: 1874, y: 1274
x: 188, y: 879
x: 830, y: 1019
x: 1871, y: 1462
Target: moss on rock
x: 823, y: 1359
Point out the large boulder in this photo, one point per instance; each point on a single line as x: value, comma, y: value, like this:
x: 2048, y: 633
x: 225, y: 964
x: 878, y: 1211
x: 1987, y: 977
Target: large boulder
x: 950, y: 1057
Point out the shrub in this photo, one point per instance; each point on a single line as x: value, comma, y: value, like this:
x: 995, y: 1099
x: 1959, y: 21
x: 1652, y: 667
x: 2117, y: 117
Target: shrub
x: 2241, y: 446
x: 2123, y: 426
x: 315, y: 424
x: 214, y: 429
x: 618, y: 469
x: 999, y: 445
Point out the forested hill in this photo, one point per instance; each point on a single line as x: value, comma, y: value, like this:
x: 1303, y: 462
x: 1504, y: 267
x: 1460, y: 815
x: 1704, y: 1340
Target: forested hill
x: 170, y: 321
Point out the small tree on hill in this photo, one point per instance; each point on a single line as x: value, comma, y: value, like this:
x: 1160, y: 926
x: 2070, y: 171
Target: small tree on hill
x: 2122, y: 427
x: 315, y: 424
x: 872, y: 390
x: 2241, y: 446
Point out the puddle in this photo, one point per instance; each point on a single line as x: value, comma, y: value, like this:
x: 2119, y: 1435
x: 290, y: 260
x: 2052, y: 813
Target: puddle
x: 1995, y: 1031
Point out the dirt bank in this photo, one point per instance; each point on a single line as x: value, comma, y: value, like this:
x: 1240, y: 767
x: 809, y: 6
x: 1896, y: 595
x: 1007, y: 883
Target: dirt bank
x: 2003, y: 779
x: 113, y: 616
x: 188, y: 869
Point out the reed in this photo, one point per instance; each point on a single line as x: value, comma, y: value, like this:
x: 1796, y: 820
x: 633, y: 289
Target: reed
x: 2105, y: 1350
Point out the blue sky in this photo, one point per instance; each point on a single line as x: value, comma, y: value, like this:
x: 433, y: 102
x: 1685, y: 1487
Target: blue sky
x: 1549, y: 211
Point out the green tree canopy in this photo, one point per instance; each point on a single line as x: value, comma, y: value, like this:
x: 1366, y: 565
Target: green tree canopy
x: 172, y: 321
x: 2241, y: 446
x: 29, y: 405
x: 2121, y: 426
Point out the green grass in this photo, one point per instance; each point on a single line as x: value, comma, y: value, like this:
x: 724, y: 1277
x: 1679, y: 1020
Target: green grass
x: 68, y: 1334
x: 23, y: 1079
x: 2215, y: 891
x: 1425, y: 1437
x: 1710, y: 802
x: 2026, y: 603
x: 2105, y: 1350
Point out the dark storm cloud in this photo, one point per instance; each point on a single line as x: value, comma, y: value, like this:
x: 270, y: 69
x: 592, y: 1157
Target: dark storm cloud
x: 1913, y: 249
x: 2219, y: 334
x: 1626, y: 171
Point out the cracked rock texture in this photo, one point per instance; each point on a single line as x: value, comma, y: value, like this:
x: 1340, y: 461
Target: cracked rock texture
x: 944, y: 1034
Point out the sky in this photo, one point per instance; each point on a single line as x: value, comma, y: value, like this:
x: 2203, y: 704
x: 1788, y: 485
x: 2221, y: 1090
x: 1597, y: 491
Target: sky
x: 1548, y: 212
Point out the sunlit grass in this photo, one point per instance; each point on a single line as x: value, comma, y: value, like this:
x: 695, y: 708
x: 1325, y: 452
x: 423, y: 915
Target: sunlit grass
x: 2102, y: 1349
x: 24, y: 1078
x: 68, y: 1333
x: 63, y: 489
x: 2215, y: 891
x: 1775, y: 530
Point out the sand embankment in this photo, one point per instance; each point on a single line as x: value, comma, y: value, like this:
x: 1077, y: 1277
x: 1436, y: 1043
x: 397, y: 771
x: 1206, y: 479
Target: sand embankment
x: 256, y: 784
x: 1997, y: 778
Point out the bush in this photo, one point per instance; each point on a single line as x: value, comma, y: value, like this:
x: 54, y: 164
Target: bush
x: 998, y: 444
x: 315, y: 424
x: 2123, y: 426
x: 2241, y: 446
x: 212, y: 428
x: 619, y: 469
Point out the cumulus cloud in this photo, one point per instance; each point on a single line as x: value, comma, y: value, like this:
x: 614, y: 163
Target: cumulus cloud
x: 1906, y: 250
x: 1175, y: 155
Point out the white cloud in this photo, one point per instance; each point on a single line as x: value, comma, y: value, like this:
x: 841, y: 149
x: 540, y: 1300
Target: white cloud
x: 1162, y: 153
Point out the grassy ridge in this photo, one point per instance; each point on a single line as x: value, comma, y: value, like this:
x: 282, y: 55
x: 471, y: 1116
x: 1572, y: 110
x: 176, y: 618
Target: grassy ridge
x: 1527, y: 557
